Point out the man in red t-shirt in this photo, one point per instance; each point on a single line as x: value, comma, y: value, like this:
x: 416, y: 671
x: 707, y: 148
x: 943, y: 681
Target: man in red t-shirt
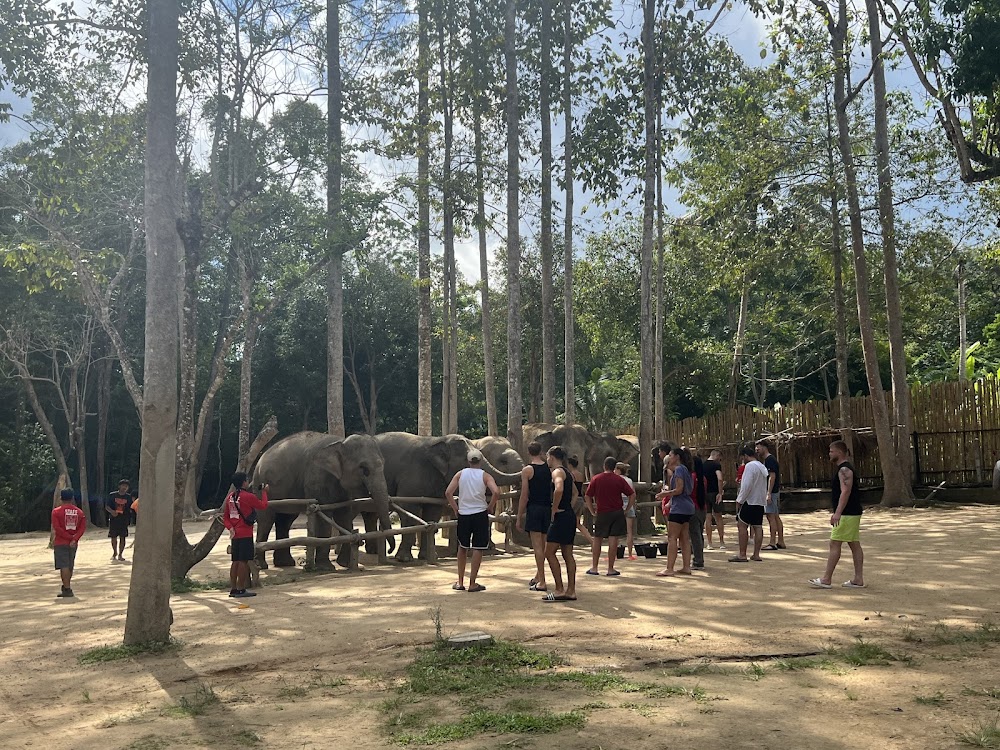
x: 239, y: 516
x: 607, y: 489
x: 68, y: 523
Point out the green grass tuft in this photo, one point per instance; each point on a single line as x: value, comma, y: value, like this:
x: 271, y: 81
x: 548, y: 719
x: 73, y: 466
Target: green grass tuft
x: 983, y: 734
x: 863, y: 653
x: 476, y: 670
x: 187, y: 585
x: 483, y: 722
x: 149, y: 742
x: 117, y: 653
x: 937, y: 699
x: 196, y: 704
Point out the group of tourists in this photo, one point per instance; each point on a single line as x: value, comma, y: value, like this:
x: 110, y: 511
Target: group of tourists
x: 552, y: 498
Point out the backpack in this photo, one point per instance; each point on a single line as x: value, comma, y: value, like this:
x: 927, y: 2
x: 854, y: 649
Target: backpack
x: 249, y: 520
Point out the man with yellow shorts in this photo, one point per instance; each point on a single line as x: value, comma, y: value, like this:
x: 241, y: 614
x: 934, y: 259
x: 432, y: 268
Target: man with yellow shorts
x: 845, y: 500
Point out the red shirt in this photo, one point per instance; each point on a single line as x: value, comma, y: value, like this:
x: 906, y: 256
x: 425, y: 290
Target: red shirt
x: 607, y: 488
x: 69, y: 523
x: 232, y: 516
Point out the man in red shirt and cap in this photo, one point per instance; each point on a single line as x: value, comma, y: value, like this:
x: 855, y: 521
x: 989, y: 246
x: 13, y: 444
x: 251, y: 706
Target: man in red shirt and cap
x: 239, y: 514
x: 604, y: 501
x: 68, y: 523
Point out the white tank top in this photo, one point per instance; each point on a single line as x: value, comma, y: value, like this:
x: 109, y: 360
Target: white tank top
x: 471, y: 492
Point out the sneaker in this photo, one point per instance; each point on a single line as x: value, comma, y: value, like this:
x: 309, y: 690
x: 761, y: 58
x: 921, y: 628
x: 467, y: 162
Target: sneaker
x: 114, y: 558
x: 709, y: 546
x: 696, y: 566
x: 234, y: 592
x: 243, y: 594
x: 65, y: 593
x: 723, y: 547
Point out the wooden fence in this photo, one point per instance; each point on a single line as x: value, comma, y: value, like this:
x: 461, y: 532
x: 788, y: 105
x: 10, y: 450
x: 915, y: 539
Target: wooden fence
x: 955, y: 438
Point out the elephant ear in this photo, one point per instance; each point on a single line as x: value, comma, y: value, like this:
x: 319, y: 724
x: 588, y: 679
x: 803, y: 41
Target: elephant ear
x: 330, y: 457
x: 443, y: 452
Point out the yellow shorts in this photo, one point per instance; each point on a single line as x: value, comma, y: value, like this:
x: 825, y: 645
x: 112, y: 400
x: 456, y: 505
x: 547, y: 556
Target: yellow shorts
x: 848, y: 530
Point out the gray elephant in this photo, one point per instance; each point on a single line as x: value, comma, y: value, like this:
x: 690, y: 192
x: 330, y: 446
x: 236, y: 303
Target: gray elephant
x: 422, y: 466
x: 499, y: 452
x: 628, y: 452
x: 328, y: 469
x: 588, y: 447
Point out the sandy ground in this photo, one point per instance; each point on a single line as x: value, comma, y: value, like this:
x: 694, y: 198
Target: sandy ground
x: 309, y: 663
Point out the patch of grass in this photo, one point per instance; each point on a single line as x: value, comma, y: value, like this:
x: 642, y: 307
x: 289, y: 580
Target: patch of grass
x: 643, y: 709
x: 983, y: 734
x: 328, y: 683
x: 117, y: 653
x: 595, y: 706
x: 187, y: 585
x: 476, y: 670
x: 700, y: 669
x: 246, y: 737
x: 983, y: 633
x: 754, y: 672
x: 292, y: 691
x: 851, y: 696
x: 149, y: 742
x: 520, y: 704
x: 482, y: 722
x: 86, y: 696
x: 938, y: 699
x: 983, y: 693
x: 863, y: 653
x: 195, y: 704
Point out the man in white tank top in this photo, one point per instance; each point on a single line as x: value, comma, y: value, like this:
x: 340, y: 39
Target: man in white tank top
x: 473, y: 513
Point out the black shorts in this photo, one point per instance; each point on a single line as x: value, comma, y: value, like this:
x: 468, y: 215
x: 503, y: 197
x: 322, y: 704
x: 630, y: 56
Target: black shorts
x: 562, y: 530
x: 537, y: 517
x: 65, y: 556
x: 243, y: 550
x: 474, y: 530
x: 611, y: 523
x: 751, y: 515
x: 118, y: 528
x: 679, y: 518
x: 715, y: 507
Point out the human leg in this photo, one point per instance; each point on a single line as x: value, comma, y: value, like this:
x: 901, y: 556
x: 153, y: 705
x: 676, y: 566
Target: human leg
x: 570, y: 560
x: 595, y: 553
x: 539, y: 546
x: 758, y: 541
x: 695, y: 530
x: 744, y: 536
x: 629, y: 537
x: 685, y: 543
x: 477, y: 560
x: 673, y: 539
x: 832, y: 559
x: 550, y: 555
x: 720, y: 526
x: 772, y: 529
x: 612, y: 553
x: 858, y: 555
x: 462, y: 556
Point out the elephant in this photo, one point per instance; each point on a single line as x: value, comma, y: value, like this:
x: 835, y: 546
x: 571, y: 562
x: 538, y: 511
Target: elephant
x: 422, y: 466
x: 499, y: 452
x: 588, y: 447
x: 329, y: 469
x: 629, y: 453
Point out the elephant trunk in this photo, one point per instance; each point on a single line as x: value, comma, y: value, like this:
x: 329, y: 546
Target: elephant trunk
x: 379, y: 492
x: 499, y: 476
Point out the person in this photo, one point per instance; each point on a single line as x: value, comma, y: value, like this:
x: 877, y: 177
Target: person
x: 604, y: 502
x: 118, y: 506
x: 578, y: 502
x: 845, y: 502
x: 621, y: 469
x: 714, y: 485
x: 68, y: 524
x: 663, y: 449
x: 772, y: 510
x: 681, y: 486
x: 239, y: 514
x: 562, y: 527
x: 473, y: 513
x: 696, y: 528
x: 750, y: 504
x: 534, y: 509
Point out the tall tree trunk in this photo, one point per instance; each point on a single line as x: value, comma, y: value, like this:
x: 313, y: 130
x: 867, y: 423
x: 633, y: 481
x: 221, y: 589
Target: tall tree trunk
x: 963, y: 341
x: 43, y: 420
x: 425, y: 422
x: 335, y: 227
x: 148, y: 617
x: 839, y: 304
x: 646, y: 256
x: 741, y: 334
x: 489, y: 375
x: 246, y: 382
x: 569, y: 364
x: 659, y: 417
x: 449, y: 346
x: 513, y: 118
x: 103, y: 408
x: 893, y: 479
x: 887, y: 219
x: 548, y: 292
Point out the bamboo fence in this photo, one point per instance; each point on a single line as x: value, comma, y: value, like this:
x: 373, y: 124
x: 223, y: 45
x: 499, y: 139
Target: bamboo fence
x: 955, y: 435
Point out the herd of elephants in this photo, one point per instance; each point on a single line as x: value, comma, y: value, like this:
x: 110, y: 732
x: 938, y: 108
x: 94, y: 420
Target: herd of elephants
x: 329, y: 470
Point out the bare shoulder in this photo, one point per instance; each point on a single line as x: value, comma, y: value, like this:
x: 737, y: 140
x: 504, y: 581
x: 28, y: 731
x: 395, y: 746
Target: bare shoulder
x: 845, y: 473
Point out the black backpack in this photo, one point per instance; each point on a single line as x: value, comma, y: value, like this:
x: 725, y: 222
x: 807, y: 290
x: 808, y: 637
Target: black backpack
x: 248, y: 520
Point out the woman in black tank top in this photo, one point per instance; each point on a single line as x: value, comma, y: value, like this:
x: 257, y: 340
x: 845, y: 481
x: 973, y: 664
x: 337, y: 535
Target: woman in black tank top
x: 562, y: 530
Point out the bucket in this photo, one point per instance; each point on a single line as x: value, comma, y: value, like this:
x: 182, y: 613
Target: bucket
x: 621, y: 551
x: 663, y: 547
x: 650, y: 551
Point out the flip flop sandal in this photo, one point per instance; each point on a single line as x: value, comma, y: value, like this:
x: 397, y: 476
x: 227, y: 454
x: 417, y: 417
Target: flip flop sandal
x: 771, y: 548
x: 592, y: 573
x: 549, y: 597
x: 458, y: 587
x: 739, y: 559
x: 478, y: 587
x: 852, y: 585
x: 534, y: 587
x: 532, y: 582
x: 781, y: 546
x: 818, y: 584
x: 615, y: 573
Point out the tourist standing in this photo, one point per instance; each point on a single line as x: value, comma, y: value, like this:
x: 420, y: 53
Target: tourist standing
x: 578, y: 501
x: 562, y: 529
x: 681, y: 511
x: 750, y: 504
x: 621, y: 469
x: 473, y: 513
x: 68, y: 525
x: 773, y: 508
x: 845, y: 502
x: 534, y: 509
x: 119, y: 508
x: 714, y: 485
x: 604, y: 501
x: 696, y: 528
x: 239, y: 514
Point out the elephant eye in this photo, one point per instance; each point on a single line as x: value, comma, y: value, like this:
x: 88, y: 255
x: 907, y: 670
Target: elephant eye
x: 364, y: 470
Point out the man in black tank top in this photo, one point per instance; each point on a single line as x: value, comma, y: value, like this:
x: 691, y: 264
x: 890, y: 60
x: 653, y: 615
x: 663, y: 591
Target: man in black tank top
x: 845, y: 502
x: 534, y: 509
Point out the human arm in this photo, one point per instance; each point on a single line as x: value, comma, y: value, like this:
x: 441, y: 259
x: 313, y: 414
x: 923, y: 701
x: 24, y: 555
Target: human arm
x: 81, y: 527
x: 846, y: 477
x: 722, y: 484
x: 58, y: 523
x: 558, y: 487
x: 109, y: 507
x: 491, y: 485
x: 772, y: 477
x: 522, y: 503
x: 742, y: 492
x: 588, y: 498
x: 449, y: 493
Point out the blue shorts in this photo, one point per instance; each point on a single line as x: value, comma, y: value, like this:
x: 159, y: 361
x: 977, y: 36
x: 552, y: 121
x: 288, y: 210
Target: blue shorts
x: 773, y: 504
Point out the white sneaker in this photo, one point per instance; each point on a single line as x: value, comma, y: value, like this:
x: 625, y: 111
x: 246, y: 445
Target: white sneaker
x: 709, y: 546
x: 723, y: 547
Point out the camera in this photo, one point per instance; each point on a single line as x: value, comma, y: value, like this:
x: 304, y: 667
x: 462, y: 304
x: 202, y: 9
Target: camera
x: 260, y: 486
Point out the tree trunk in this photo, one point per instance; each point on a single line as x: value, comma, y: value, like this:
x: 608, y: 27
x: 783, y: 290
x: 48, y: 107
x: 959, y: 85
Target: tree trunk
x: 103, y: 409
x: 963, y: 341
x: 569, y: 365
x: 659, y: 417
x: 449, y: 339
x: 646, y: 257
x: 548, y: 292
x: 425, y: 422
x: 741, y: 333
x: 489, y: 375
x: 887, y: 219
x: 148, y: 617
x: 246, y: 382
x: 895, y: 484
x: 335, y: 228
x: 514, y: 414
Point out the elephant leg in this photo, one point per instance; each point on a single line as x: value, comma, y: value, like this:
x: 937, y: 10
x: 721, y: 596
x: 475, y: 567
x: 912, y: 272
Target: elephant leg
x: 428, y: 539
x: 265, y: 522
x: 282, y: 525
x: 405, y: 551
x: 374, y: 546
x: 347, y: 553
x: 321, y: 553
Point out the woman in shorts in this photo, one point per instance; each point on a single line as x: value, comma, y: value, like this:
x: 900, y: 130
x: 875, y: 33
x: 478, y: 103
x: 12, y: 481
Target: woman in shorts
x: 621, y: 470
x: 578, y: 502
x: 562, y: 529
x: 681, y: 510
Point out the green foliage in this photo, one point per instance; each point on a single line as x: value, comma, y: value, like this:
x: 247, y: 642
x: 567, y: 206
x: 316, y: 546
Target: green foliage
x: 196, y: 704
x: 482, y: 721
x: 103, y: 654
x: 26, y: 470
x: 478, y: 670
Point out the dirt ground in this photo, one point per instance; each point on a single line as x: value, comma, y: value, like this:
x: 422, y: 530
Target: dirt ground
x: 311, y: 662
